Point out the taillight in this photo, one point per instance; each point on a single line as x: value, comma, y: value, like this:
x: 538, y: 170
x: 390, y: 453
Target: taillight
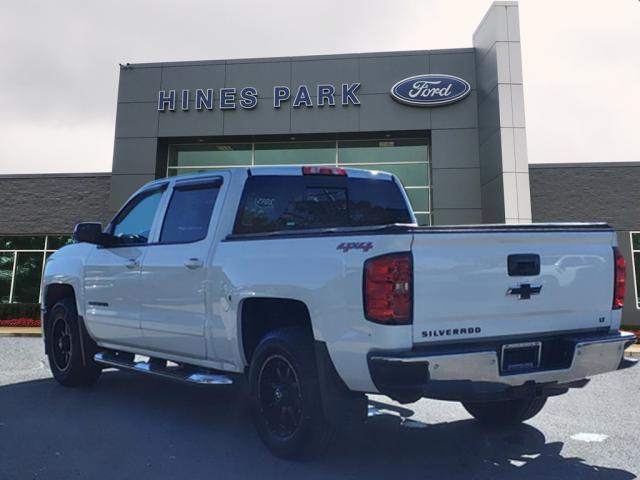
x: 620, y: 271
x: 323, y: 171
x: 388, y: 289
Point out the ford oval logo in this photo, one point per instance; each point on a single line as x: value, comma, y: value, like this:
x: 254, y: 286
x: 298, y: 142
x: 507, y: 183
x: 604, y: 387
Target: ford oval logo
x: 430, y: 90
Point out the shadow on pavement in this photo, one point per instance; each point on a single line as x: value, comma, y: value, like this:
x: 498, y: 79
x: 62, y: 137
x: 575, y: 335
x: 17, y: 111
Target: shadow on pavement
x: 130, y: 427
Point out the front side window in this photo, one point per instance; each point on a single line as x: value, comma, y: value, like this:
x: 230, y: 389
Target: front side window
x: 189, y: 212
x: 133, y: 224
x: 277, y: 203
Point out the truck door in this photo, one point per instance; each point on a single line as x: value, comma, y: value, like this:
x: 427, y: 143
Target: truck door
x: 112, y: 273
x: 173, y: 276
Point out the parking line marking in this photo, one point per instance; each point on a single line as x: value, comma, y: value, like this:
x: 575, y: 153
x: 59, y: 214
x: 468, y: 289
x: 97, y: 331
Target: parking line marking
x: 589, y: 437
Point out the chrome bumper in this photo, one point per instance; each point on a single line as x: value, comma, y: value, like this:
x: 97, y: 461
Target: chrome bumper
x: 451, y: 374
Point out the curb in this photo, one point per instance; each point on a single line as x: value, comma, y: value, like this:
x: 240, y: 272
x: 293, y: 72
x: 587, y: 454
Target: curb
x: 20, y: 332
x: 633, y: 351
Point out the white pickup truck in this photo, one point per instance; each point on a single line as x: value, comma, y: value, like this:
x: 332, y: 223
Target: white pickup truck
x: 317, y: 286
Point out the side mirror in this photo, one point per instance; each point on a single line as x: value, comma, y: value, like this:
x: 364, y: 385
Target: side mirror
x: 89, y: 233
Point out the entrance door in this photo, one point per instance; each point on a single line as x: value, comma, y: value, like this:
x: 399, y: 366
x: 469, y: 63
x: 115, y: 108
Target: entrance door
x: 174, y: 270
x: 112, y: 273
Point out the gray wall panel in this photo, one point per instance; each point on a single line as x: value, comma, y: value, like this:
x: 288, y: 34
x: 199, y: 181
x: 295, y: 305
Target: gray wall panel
x: 191, y: 123
x: 492, y: 194
x: 263, y: 119
x: 334, y: 71
x: 122, y: 186
x: 380, y: 112
x: 461, y: 65
x: 139, y: 84
x: 454, y: 148
x: 134, y: 155
x: 137, y: 120
x: 462, y: 114
x: 456, y: 188
x: 261, y: 75
x: 491, y: 154
x: 325, y: 119
x: 493, y: 27
x: 487, y: 74
x: 379, y: 74
x: 500, y: 113
x: 457, y: 216
x: 200, y: 76
x: 488, y: 115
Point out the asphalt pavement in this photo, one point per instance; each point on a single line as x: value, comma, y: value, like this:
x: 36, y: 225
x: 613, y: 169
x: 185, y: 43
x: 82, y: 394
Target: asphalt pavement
x: 130, y: 426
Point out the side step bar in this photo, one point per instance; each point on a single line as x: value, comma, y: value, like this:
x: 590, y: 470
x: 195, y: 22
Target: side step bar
x: 174, y: 373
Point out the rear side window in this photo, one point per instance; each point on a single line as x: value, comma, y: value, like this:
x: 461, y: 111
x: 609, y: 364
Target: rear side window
x: 189, y: 212
x: 276, y: 203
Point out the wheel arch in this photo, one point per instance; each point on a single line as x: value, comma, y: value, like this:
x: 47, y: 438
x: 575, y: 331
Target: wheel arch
x: 261, y: 315
x: 52, y: 294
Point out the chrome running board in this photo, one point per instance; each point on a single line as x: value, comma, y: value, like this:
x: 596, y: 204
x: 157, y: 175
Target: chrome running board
x: 174, y: 373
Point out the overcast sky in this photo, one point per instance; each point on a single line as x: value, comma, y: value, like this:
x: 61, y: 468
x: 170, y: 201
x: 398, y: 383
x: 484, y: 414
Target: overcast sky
x: 59, y: 64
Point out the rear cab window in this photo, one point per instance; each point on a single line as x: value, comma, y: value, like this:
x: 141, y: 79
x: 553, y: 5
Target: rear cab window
x: 272, y: 203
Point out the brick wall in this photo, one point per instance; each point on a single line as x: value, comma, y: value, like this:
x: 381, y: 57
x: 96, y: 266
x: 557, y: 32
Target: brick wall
x: 52, y: 203
x: 587, y: 193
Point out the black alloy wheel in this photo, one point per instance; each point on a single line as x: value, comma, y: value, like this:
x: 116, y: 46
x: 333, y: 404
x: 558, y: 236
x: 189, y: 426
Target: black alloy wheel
x: 280, y: 397
x: 70, y: 356
x: 285, y: 395
x: 61, y: 342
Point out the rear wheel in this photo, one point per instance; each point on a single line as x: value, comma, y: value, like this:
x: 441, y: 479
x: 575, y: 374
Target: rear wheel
x: 65, y: 348
x: 505, y: 412
x: 285, y: 395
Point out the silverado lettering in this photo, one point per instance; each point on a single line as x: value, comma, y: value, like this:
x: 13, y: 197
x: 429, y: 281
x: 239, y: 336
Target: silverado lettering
x: 448, y: 332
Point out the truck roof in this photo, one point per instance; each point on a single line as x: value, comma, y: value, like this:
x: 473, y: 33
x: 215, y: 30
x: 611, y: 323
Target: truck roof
x: 293, y: 170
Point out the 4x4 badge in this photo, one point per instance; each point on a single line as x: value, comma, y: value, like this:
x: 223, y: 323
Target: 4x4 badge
x: 524, y: 291
x: 346, y: 246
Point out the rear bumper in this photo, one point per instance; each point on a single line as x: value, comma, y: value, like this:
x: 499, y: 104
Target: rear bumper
x: 472, y: 371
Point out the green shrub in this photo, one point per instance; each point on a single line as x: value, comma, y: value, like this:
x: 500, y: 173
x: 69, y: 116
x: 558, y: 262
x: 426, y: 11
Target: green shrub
x: 9, y: 311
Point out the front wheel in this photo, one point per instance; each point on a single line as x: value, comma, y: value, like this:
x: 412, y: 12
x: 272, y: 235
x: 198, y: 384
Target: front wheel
x: 65, y: 349
x: 505, y: 412
x: 285, y: 395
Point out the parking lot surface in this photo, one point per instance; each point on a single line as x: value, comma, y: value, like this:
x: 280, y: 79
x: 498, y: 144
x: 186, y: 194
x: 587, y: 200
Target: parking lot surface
x: 130, y: 426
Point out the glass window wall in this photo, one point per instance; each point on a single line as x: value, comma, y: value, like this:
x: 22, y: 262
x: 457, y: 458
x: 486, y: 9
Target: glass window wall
x: 408, y: 159
x: 22, y: 260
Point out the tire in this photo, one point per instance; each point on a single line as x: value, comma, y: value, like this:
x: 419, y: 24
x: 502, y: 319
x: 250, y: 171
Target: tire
x: 505, y: 412
x: 64, y: 347
x: 285, y: 395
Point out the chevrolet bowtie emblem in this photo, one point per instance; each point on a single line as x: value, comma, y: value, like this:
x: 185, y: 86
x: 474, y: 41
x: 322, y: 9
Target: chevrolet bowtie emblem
x: 524, y: 291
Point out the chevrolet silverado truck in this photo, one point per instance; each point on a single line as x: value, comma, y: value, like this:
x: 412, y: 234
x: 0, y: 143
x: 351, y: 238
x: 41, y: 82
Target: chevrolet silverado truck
x: 315, y: 286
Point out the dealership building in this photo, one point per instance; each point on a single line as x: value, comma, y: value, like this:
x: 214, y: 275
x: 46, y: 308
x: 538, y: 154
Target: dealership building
x: 449, y: 123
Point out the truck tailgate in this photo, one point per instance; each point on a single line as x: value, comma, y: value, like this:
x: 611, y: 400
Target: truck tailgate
x: 463, y: 288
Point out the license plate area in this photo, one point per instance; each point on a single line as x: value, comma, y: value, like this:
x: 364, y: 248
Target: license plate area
x: 519, y: 357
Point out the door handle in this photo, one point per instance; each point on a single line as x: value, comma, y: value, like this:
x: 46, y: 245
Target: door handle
x: 132, y: 263
x: 193, y: 263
